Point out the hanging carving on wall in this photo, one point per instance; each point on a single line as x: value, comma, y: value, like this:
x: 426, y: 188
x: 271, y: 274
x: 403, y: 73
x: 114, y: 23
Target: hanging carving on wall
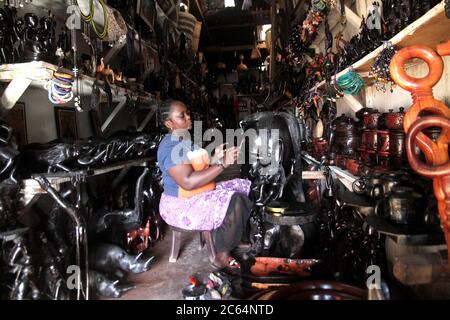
x: 66, y: 123
x: 16, y: 118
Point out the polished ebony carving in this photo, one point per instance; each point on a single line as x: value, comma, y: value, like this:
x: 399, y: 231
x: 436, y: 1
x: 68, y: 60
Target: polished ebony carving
x: 4, y: 49
x: 8, y: 155
x: 34, y: 48
x: 114, y: 260
x: 48, y: 38
x: 284, y: 178
x: 129, y: 219
x: 105, y: 287
x: 20, y: 274
x: 69, y: 156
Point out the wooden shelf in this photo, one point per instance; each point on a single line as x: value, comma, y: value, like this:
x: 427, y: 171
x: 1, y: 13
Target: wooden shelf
x: 37, y: 73
x: 405, y: 235
x: 40, y: 72
x: 31, y: 186
x: 429, y: 30
x: 36, y: 70
x: 343, y: 175
x: 116, y: 90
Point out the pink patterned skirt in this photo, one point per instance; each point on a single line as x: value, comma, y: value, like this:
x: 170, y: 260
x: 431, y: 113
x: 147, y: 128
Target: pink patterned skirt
x: 204, y: 211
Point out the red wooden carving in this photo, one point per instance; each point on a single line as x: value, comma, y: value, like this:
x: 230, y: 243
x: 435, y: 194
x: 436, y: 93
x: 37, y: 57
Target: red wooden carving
x: 436, y: 153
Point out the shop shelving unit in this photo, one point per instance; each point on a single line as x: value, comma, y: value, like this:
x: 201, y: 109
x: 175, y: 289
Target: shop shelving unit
x: 430, y: 29
x: 36, y: 74
x: 30, y: 187
x: 409, y: 269
x: 31, y: 191
x: 343, y: 175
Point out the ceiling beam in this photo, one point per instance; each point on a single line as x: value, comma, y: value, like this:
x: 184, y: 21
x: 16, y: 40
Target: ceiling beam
x: 233, y: 26
x: 213, y: 49
x: 353, y: 18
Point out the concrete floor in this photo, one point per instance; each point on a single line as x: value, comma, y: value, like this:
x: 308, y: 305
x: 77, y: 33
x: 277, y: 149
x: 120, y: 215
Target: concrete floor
x: 164, y: 281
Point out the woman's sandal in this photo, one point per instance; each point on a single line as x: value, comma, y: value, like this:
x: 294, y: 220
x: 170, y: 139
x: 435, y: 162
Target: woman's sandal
x: 232, y: 268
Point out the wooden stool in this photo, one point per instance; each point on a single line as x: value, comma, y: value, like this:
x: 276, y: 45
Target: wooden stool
x: 205, y: 237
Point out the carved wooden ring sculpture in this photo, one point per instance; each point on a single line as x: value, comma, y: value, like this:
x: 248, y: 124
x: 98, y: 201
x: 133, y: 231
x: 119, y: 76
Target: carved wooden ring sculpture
x: 436, y: 153
x: 439, y: 173
x: 422, y: 93
x: 426, y: 170
x: 434, y: 62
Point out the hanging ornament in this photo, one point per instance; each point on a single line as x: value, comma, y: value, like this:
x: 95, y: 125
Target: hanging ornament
x: 380, y: 68
x: 319, y: 5
x: 241, y: 67
x: 350, y: 83
x: 374, y: 16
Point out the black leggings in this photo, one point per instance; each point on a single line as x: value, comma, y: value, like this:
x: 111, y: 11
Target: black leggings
x: 229, y: 234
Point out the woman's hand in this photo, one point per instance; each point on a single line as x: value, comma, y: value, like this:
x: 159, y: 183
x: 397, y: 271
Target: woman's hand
x: 230, y: 157
x: 219, y: 152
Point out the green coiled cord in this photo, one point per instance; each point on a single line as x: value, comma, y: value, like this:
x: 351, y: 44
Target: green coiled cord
x: 90, y: 18
x: 350, y: 83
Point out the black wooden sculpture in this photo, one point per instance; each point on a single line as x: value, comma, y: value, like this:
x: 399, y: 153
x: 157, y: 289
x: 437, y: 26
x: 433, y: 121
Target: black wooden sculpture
x: 129, y: 219
x: 284, y: 179
x: 20, y: 267
x: 287, y: 146
x: 8, y: 155
x: 52, y: 282
x: 68, y: 156
x: 4, y: 54
x: 52, y: 157
x: 17, y: 35
x: 104, y: 287
x: 114, y: 260
x: 34, y: 48
x: 47, y: 38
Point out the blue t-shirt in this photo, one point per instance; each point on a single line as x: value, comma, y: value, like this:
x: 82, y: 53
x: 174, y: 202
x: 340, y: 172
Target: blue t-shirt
x: 171, y: 152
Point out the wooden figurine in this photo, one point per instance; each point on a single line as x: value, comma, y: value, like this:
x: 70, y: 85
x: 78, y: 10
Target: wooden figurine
x: 106, y: 72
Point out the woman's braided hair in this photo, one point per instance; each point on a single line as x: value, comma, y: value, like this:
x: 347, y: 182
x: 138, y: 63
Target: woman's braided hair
x: 164, y: 112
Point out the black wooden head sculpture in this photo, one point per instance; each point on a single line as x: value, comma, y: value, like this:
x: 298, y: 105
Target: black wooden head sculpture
x: 280, y: 149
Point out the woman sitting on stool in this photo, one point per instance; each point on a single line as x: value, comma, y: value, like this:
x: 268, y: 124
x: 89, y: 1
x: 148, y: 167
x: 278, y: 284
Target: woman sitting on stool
x: 191, y: 200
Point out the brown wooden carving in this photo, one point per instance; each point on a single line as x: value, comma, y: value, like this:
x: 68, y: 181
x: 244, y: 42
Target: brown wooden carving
x: 436, y: 153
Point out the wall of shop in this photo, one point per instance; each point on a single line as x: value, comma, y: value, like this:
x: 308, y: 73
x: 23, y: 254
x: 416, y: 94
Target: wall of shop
x: 383, y: 101
x: 40, y: 112
x: 402, y: 98
x: 40, y: 118
x: 370, y: 97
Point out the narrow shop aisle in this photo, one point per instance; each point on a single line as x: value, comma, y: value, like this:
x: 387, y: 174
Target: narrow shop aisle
x: 165, y: 280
